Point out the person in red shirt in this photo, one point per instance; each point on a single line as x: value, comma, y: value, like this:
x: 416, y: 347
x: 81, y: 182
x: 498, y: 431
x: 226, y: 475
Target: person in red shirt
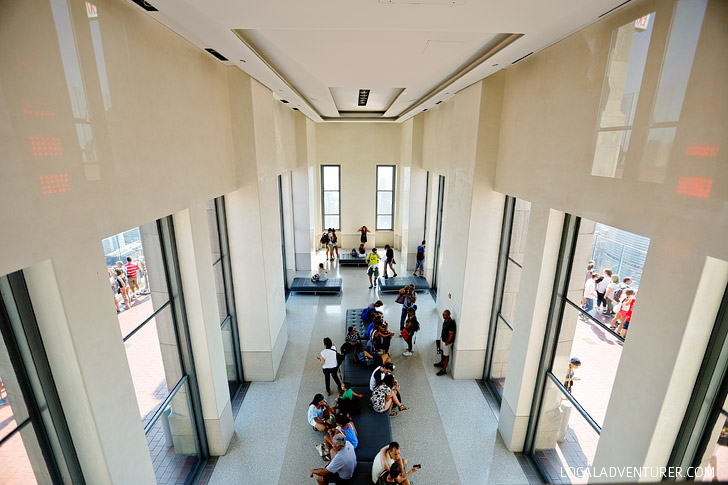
x: 625, y: 313
x: 132, y: 270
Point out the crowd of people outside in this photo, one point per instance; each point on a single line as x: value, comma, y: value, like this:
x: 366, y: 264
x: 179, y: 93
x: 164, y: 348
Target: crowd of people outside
x: 125, y: 282
x: 605, y: 295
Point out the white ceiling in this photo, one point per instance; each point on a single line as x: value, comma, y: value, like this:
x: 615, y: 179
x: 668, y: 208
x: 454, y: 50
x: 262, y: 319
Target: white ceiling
x: 318, y: 54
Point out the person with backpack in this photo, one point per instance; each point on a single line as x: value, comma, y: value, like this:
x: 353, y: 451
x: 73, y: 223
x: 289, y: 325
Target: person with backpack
x: 325, y: 243
x: 611, y: 295
x: 373, y: 268
x: 407, y: 297
x: 420, y: 265
x: 369, y: 312
x: 411, y: 327
x: 329, y: 360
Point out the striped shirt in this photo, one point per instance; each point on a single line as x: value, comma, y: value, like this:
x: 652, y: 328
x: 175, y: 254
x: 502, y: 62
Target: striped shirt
x: 131, y: 269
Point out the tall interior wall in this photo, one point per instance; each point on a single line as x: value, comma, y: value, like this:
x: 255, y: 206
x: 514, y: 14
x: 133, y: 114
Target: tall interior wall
x: 145, y: 125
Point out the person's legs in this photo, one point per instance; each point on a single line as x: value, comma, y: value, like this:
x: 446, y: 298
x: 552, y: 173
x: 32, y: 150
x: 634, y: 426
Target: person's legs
x: 624, y: 327
x: 319, y: 427
x: 335, y: 375
x: 588, y: 304
x: 386, y: 341
x: 327, y: 378
x: 370, y: 272
x: 610, y: 306
x: 402, y: 318
x: 409, y: 343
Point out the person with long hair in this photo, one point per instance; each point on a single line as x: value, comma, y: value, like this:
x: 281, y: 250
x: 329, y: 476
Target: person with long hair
x: 329, y: 364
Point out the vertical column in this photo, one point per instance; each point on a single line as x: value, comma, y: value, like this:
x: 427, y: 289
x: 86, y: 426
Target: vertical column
x: 254, y: 231
x: 72, y: 302
x: 203, y: 318
x: 529, y: 322
x: 302, y: 198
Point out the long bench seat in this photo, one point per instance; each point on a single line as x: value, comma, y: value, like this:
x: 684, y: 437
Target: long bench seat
x: 305, y: 285
x: 396, y: 283
x: 347, y: 259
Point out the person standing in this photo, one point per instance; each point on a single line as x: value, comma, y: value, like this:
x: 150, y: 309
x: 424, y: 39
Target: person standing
x: 448, y: 337
x: 389, y: 261
x: 601, y: 283
x: 590, y: 292
x: 330, y: 244
x: 574, y: 364
x: 325, y: 243
x: 408, y: 297
x: 335, y: 242
x: 329, y: 364
x: 420, y: 265
x: 363, y: 230
x: 131, y: 274
x: 123, y: 288
x: 610, y: 294
x: 411, y: 326
x: 373, y: 268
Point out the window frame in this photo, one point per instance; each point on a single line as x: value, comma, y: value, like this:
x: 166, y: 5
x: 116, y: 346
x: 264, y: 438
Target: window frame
x: 394, y: 184
x: 323, y: 193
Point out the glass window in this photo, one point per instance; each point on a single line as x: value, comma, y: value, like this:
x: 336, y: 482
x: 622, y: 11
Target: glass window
x: 513, y: 243
x: 385, y: 197
x: 586, y: 345
x: 331, y: 195
x: 140, y: 262
x: 224, y: 291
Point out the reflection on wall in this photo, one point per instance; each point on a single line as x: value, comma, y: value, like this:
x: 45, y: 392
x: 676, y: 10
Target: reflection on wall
x: 646, y: 56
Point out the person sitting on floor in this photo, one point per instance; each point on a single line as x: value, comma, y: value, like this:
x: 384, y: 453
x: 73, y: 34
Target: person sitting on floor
x: 319, y: 413
x: 384, y: 396
x: 342, y: 464
x: 343, y: 426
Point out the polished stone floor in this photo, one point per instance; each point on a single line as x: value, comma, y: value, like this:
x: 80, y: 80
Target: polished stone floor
x: 450, y: 428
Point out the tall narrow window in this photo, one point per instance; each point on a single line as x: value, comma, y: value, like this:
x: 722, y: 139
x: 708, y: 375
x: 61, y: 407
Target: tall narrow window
x: 385, y: 197
x: 330, y: 195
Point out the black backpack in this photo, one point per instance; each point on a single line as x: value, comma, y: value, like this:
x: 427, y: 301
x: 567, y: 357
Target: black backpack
x: 325, y: 238
x: 420, y: 255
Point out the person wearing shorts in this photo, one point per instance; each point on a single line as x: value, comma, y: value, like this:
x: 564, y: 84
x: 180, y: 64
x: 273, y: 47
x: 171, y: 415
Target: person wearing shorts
x: 343, y: 462
x: 373, y: 269
x: 132, y: 270
x: 420, y: 265
x: 624, y: 315
x: 448, y: 337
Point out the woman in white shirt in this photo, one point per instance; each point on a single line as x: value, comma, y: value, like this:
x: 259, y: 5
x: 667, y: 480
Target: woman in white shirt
x: 329, y: 364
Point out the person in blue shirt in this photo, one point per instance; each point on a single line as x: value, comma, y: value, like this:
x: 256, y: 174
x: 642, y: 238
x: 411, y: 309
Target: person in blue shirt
x: 420, y: 259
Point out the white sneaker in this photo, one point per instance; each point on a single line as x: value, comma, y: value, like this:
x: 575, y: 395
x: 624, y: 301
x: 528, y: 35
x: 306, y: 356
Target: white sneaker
x: 407, y: 353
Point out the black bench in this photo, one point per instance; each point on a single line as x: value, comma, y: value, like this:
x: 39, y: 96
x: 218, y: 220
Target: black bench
x: 396, y: 283
x: 305, y: 285
x: 349, y: 260
x: 353, y: 317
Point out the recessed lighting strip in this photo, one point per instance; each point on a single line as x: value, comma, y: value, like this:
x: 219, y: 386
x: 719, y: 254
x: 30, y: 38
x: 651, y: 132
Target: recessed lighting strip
x: 510, y: 38
x: 270, y: 66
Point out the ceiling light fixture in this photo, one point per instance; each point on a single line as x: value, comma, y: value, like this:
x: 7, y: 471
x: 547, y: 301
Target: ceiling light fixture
x: 363, y: 97
x: 216, y: 54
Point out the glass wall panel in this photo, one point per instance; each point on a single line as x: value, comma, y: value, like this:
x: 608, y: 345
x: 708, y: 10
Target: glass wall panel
x: 173, y: 442
x: 565, y: 443
x: 717, y: 469
x: 17, y: 466
x: 513, y: 245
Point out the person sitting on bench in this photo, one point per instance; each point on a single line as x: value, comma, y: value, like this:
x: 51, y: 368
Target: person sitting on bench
x: 343, y: 426
x: 379, y: 374
x: 369, y: 356
x: 396, y: 474
x: 351, y: 339
x: 369, y: 312
x: 342, y: 465
x: 381, y: 336
x: 348, y: 401
x: 384, y: 396
x: 385, y: 458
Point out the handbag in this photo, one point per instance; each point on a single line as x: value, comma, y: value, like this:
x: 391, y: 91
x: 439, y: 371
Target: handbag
x: 405, y: 333
x: 400, y: 299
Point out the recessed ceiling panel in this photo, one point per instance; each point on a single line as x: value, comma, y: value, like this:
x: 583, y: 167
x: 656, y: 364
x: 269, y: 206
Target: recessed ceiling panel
x: 377, y: 101
x: 426, y: 2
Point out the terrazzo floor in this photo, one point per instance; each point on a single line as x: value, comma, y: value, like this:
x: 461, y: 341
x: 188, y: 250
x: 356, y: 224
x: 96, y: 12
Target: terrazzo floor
x: 450, y: 428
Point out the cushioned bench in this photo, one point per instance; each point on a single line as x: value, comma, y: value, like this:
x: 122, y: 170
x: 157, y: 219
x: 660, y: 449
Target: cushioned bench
x: 353, y: 317
x: 305, y: 285
x: 374, y: 429
x: 362, y: 474
x: 348, y: 260
x: 399, y: 282
x: 357, y: 374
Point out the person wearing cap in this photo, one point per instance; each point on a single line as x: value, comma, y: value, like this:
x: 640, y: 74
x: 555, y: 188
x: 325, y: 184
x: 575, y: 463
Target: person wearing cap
x: 343, y: 462
x: 574, y: 364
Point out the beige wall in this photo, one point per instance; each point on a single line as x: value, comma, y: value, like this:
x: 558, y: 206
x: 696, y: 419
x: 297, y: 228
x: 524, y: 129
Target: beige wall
x: 358, y: 148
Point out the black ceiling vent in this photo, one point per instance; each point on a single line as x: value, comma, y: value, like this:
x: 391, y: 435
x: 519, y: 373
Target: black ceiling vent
x: 521, y: 58
x: 145, y: 5
x: 284, y: 101
x: 439, y: 102
x: 295, y: 109
x: 424, y: 110
x: 216, y: 54
x: 363, y: 97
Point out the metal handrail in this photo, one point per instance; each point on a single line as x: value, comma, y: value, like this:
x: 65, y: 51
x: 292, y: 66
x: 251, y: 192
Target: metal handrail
x: 138, y: 327
x: 164, y: 404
